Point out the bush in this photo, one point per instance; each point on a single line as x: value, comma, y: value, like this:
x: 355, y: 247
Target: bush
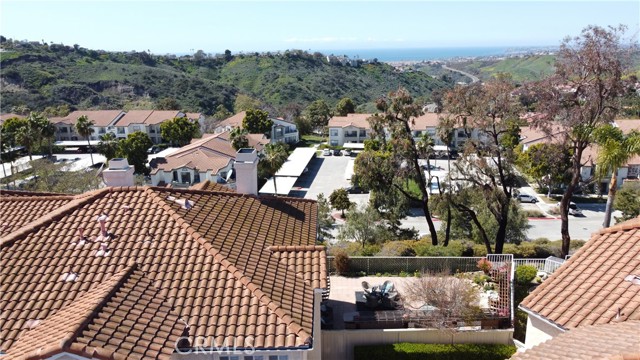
x: 533, y: 213
x: 485, y: 265
x: 409, y: 351
x: 397, y: 248
x: 341, y: 262
x: 525, y: 274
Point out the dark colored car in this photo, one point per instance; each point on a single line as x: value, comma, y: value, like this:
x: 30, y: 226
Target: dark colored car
x: 337, y: 152
x: 355, y: 189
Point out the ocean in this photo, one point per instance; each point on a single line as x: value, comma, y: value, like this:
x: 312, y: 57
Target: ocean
x: 418, y: 54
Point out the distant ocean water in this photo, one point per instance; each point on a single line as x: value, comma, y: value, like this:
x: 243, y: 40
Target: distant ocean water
x: 418, y: 54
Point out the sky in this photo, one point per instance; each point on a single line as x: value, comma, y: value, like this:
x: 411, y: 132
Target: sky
x: 213, y: 26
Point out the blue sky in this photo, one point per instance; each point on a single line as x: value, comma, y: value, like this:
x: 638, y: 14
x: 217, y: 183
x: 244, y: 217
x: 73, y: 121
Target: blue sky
x: 213, y: 26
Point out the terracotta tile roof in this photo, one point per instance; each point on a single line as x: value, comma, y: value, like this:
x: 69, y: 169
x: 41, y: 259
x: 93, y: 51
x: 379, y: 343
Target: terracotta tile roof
x: 201, y: 159
x: 307, y: 261
x: 4, y: 117
x: 609, y: 341
x: 158, y: 116
x: 256, y: 141
x: 99, y: 117
x: 628, y: 125
x: 18, y: 208
x: 212, y: 262
x: 124, y: 317
x: 208, y: 185
x: 427, y: 120
x: 590, y: 288
x: 134, y: 117
x: 233, y: 121
x: 356, y: 120
x: 193, y: 116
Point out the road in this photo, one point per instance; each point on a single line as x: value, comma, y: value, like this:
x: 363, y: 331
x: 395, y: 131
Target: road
x: 473, y: 78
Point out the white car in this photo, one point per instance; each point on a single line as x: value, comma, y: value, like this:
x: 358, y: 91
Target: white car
x: 527, y: 198
x: 326, y: 152
x: 573, y: 209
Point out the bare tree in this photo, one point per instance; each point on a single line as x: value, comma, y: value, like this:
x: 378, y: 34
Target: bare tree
x: 581, y: 95
x: 450, y: 299
x: 488, y: 116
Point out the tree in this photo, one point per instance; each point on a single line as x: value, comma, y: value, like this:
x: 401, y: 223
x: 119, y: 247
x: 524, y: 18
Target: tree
x: 179, y: 131
x: 108, y: 146
x: 614, y: 151
x: 84, y: 127
x: 628, y: 201
x: 325, y: 220
x: 257, y: 122
x: 345, y: 106
x: 548, y: 163
x: 238, y: 137
x: 581, y: 95
x: 221, y: 113
x: 394, y: 162
x: 339, y: 199
x: 318, y: 113
x: 489, y: 116
x: 363, y: 225
x: 167, y: 104
x: 303, y: 125
x: 134, y: 148
x: 272, y: 158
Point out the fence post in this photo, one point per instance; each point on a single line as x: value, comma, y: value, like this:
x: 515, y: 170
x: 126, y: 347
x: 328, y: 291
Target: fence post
x: 407, y: 263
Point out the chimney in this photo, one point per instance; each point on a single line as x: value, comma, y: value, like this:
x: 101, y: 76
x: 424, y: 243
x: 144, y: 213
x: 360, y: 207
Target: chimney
x: 119, y: 173
x: 246, y: 167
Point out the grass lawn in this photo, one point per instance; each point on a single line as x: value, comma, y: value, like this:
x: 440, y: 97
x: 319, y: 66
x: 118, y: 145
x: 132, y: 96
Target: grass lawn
x: 409, y: 351
x: 313, y: 139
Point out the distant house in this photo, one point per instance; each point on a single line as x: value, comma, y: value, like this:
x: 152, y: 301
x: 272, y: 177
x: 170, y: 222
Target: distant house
x: 102, y: 119
x: 4, y: 117
x: 353, y: 128
x: 146, y: 121
x: 282, y: 130
x: 158, y: 273
x: 599, y: 285
x: 211, y: 158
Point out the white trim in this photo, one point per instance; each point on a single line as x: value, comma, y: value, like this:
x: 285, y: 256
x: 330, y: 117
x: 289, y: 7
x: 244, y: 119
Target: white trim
x: 542, y: 318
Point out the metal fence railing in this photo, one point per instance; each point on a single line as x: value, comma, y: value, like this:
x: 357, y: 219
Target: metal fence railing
x: 372, y: 265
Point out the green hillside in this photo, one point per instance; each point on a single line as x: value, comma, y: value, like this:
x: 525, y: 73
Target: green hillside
x: 522, y: 69
x: 39, y: 75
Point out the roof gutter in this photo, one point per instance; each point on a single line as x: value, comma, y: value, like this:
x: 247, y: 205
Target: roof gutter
x: 542, y: 318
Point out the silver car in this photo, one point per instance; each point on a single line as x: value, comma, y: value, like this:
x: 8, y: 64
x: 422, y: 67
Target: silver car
x: 527, y: 198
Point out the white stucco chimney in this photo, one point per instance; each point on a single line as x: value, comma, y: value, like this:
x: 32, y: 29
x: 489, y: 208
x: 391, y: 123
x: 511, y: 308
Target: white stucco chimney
x: 119, y: 173
x: 246, y: 167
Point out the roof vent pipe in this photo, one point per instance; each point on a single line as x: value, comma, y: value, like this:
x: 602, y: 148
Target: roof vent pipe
x: 102, y: 219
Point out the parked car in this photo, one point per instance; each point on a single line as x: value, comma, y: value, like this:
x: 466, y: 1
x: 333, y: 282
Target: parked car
x: 346, y: 152
x: 432, y: 167
x: 337, y: 152
x: 573, y: 209
x: 355, y: 189
x: 326, y: 152
x: 527, y: 198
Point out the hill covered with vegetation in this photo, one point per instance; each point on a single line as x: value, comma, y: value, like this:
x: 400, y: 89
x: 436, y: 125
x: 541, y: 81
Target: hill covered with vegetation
x: 522, y: 69
x: 39, y: 75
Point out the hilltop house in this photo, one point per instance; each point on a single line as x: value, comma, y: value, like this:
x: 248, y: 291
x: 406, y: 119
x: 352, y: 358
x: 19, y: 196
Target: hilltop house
x: 210, y: 158
x: 596, y: 291
x: 146, y: 272
x: 281, y: 131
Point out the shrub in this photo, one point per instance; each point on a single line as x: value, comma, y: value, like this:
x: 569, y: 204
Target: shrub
x: 397, y: 248
x: 341, y: 262
x: 479, y: 250
x: 485, y: 265
x: 533, y: 213
x: 525, y: 274
x: 409, y: 351
x: 370, y: 250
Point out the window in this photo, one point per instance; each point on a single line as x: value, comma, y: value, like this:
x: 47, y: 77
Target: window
x: 102, y: 131
x: 278, y: 357
x: 136, y: 128
x: 363, y: 133
x: 229, y: 357
x: 334, y: 142
x: 352, y: 133
x: 254, y: 357
x: 334, y: 132
x: 120, y: 130
x: 64, y: 130
x: 152, y: 130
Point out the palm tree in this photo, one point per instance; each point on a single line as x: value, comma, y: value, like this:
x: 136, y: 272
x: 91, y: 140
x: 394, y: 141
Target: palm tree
x: 615, y: 150
x: 108, y: 146
x: 239, y: 138
x: 273, y: 157
x: 85, y: 129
